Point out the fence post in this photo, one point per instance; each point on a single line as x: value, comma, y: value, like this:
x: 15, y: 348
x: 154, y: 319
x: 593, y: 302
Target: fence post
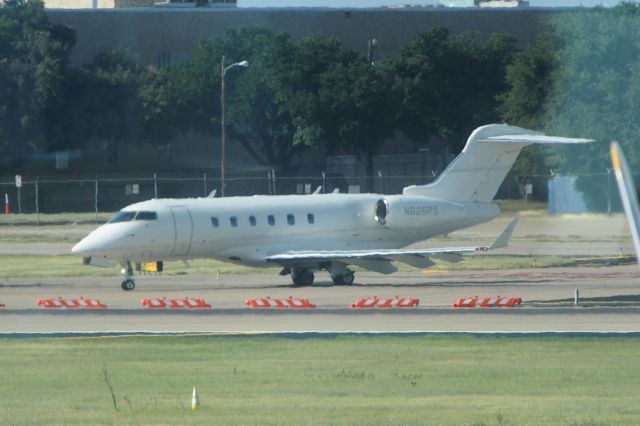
x: 19, y: 200
x: 324, y: 182
x: 204, y: 178
x: 96, y: 200
x: 269, y: 182
x: 155, y: 185
x: 37, y: 205
x: 273, y: 176
x: 381, y: 183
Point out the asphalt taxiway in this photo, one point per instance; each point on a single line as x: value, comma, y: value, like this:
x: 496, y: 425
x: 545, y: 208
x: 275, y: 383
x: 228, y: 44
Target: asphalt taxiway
x: 610, y: 302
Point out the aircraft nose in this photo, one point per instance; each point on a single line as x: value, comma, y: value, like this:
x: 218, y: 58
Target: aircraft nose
x: 82, y: 247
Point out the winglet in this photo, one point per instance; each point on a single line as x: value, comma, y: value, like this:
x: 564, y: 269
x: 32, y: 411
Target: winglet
x: 503, y: 239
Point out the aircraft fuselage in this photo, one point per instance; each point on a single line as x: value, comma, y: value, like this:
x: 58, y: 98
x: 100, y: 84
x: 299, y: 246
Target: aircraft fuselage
x: 249, y: 229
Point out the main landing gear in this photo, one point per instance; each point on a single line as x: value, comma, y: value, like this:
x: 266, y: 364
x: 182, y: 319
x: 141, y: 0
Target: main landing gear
x: 343, y: 279
x: 302, y: 277
x: 127, y: 281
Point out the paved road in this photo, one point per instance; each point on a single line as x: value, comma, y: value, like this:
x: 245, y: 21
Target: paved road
x: 610, y: 295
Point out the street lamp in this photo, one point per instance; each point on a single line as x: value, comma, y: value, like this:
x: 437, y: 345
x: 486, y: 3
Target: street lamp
x: 223, y: 136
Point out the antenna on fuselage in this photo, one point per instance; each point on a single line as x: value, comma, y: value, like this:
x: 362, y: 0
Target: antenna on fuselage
x: 317, y: 191
x: 212, y: 194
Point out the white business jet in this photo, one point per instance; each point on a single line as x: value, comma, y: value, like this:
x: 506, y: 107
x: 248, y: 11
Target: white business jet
x: 307, y: 233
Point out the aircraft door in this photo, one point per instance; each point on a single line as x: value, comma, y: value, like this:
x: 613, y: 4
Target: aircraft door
x: 183, y: 227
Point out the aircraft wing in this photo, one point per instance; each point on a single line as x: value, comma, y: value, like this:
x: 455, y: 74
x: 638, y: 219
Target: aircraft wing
x: 379, y: 260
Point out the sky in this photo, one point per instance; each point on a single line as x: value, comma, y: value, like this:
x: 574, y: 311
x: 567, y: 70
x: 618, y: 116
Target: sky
x: 376, y: 3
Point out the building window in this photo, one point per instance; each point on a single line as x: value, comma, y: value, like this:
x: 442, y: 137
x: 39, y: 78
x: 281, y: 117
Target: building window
x: 234, y: 221
x: 291, y: 220
x: 310, y: 219
x: 271, y: 220
x: 252, y: 220
x: 215, y: 222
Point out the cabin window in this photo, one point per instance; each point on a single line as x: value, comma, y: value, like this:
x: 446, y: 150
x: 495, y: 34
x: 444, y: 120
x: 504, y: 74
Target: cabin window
x: 215, y: 222
x: 291, y: 219
x: 252, y: 220
x: 234, y: 221
x: 147, y: 216
x: 123, y: 217
x: 271, y: 220
x: 310, y: 219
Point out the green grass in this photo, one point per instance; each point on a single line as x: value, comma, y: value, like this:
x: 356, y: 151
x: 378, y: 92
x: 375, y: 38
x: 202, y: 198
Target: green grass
x: 439, y: 380
x: 39, y: 266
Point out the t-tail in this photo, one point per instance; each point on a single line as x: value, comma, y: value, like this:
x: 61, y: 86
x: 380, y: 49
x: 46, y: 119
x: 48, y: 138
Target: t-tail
x: 478, y: 171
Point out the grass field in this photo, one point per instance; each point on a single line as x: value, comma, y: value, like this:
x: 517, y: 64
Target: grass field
x: 439, y: 380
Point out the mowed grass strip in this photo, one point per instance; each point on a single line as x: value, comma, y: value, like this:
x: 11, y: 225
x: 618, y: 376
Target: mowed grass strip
x: 39, y: 266
x: 439, y: 380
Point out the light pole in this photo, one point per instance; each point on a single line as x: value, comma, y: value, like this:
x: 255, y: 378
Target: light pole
x: 223, y: 135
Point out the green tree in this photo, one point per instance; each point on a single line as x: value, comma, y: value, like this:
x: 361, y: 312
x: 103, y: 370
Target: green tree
x: 295, y: 94
x: 447, y: 85
x: 582, y: 78
x: 530, y: 79
x: 33, y: 60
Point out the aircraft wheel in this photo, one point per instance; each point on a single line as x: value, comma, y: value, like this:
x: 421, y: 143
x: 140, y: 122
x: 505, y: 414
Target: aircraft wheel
x: 343, y: 279
x: 348, y: 278
x: 128, y: 285
x: 304, y: 277
x: 338, y: 279
x: 307, y: 277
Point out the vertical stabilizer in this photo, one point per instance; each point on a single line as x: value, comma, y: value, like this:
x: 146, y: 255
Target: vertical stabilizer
x: 477, y: 172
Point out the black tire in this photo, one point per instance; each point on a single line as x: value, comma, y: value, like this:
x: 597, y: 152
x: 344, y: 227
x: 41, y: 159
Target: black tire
x: 347, y: 279
x: 128, y: 285
x: 307, y: 277
x: 297, y: 281
x: 338, y: 279
x: 302, y: 278
x: 343, y: 279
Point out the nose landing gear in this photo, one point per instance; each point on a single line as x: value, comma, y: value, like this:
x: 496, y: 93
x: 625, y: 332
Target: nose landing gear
x: 127, y: 272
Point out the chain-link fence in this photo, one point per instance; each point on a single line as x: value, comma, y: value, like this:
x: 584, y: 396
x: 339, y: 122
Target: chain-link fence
x: 45, y: 195
x: 100, y: 194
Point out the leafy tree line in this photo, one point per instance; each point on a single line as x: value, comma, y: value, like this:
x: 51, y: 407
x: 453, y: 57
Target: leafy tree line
x: 579, y: 78
x: 310, y: 92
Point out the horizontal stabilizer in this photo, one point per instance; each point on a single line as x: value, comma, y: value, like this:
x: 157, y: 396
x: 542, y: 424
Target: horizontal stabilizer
x: 534, y: 138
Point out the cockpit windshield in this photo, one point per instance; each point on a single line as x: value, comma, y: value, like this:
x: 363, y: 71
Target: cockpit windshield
x: 128, y: 216
x: 124, y: 216
x: 147, y: 216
